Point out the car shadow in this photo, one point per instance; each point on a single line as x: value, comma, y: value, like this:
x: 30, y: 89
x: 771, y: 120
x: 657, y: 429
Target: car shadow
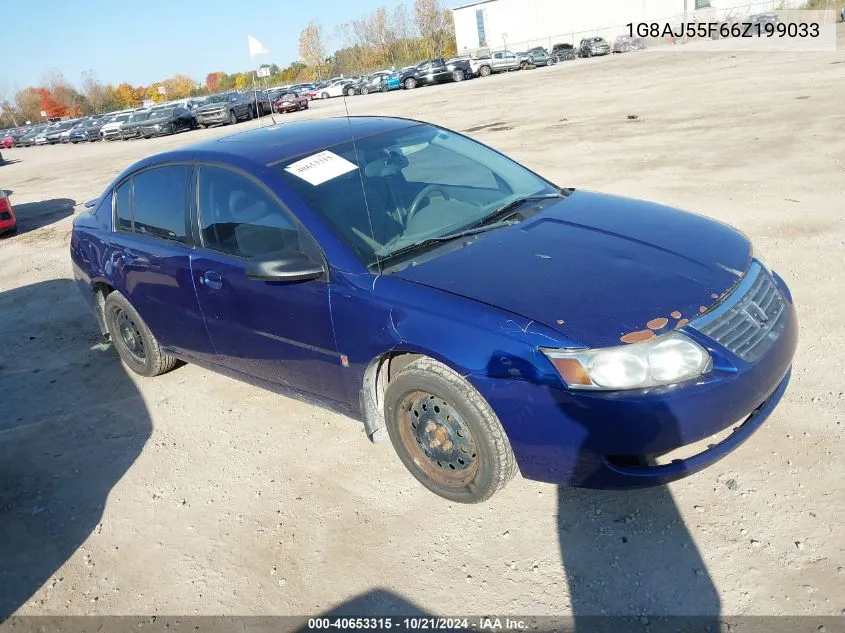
x: 9, y: 161
x: 34, y: 215
x: 624, y: 553
x: 72, y: 424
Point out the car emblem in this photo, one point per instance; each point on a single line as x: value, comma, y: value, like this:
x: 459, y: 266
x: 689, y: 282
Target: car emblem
x: 756, y: 315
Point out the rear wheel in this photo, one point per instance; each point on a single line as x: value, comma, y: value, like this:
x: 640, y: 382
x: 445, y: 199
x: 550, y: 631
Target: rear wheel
x: 551, y: 61
x: 523, y: 65
x: 135, y: 344
x: 350, y: 92
x: 446, y: 434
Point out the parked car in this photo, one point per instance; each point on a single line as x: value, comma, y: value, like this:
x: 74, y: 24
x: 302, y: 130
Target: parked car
x: 168, y: 121
x: 435, y: 71
x: 300, y: 88
x: 760, y: 20
x: 55, y: 134
x: 41, y: 137
x: 626, y: 44
x: 111, y: 128
x: 90, y: 131
x: 382, y: 81
x: 488, y: 328
x: 563, y: 52
x: 290, y: 102
x: 258, y: 102
x: 8, y: 222
x: 28, y: 139
x: 326, y: 91
x: 593, y: 47
x: 538, y: 56
x: 497, y: 62
x: 131, y: 128
x: 226, y: 107
x: 11, y: 138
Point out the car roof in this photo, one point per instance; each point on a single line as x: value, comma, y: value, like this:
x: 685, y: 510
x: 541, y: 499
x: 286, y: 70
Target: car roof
x: 279, y: 143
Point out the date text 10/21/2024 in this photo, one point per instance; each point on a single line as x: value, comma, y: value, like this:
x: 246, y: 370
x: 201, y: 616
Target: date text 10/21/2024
x: 417, y: 624
x: 713, y: 30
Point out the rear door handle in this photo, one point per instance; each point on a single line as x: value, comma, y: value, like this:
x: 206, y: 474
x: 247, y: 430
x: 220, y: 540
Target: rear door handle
x: 211, y: 280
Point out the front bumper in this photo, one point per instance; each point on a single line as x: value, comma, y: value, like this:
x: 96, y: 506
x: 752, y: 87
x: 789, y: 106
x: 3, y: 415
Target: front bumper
x: 606, y: 439
x: 152, y: 131
x: 108, y: 135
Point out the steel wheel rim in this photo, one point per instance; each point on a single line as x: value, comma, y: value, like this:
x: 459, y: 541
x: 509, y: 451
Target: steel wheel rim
x: 438, y: 440
x: 130, y: 336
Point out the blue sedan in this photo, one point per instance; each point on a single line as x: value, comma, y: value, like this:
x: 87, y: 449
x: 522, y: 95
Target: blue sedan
x: 484, y: 319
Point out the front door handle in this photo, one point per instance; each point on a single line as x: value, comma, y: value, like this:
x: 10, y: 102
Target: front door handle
x: 212, y: 280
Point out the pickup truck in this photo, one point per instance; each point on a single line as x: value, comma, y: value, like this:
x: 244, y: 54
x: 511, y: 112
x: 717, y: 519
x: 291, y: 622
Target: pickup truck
x: 435, y: 71
x: 498, y: 62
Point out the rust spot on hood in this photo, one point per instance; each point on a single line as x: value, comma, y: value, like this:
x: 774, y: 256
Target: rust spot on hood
x: 714, y: 296
x: 637, y: 337
x: 702, y: 309
x: 681, y: 323
x: 560, y: 321
x: 658, y: 323
x: 675, y: 315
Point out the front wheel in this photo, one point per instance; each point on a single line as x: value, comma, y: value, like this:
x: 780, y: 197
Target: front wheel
x: 135, y: 344
x: 485, y: 71
x: 365, y: 90
x: 410, y: 83
x: 325, y: 95
x: 458, y: 75
x: 446, y: 434
x: 233, y: 118
x: 350, y: 92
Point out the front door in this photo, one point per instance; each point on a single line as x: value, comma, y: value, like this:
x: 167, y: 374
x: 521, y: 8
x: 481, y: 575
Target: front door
x: 277, y: 332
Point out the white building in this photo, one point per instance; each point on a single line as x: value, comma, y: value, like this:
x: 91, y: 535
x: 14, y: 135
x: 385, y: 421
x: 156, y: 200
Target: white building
x: 520, y: 24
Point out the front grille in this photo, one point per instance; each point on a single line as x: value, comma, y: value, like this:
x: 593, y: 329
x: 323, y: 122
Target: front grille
x: 751, y: 319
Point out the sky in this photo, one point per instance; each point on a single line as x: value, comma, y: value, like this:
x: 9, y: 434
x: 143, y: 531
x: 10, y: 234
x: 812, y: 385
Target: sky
x: 149, y: 40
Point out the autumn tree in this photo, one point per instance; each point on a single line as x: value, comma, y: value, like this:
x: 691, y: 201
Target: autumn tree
x: 98, y: 96
x: 28, y: 104
x: 436, y: 27
x: 126, y: 96
x: 312, y: 49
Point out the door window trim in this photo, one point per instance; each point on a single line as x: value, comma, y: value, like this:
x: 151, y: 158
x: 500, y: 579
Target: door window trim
x: 189, y: 235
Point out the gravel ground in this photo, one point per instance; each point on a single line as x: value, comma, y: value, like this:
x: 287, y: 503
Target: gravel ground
x: 194, y: 494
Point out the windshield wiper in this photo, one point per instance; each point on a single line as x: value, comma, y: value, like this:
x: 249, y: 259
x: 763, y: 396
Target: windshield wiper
x: 504, y: 211
x: 475, y: 230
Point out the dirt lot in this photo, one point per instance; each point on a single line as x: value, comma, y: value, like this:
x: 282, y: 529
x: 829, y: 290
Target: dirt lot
x: 194, y: 494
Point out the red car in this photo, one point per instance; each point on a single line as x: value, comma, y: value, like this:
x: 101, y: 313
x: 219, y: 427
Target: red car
x: 291, y: 101
x: 8, y: 223
x: 8, y: 139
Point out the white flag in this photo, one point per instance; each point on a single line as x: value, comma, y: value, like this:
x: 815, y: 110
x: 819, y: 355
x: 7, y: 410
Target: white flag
x: 256, y: 47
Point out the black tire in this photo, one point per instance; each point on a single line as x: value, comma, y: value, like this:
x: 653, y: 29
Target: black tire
x: 523, y: 66
x: 143, y: 355
x: 458, y: 75
x: 365, y: 90
x: 384, y: 88
x: 486, y: 460
x: 324, y: 95
x: 350, y: 92
x: 551, y: 61
x: 307, y: 104
x: 410, y: 83
x: 233, y: 118
x: 202, y: 125
x: 485, y: 71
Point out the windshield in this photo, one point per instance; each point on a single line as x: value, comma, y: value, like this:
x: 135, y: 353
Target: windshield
x: 139, y: 116
x: 223, y: 98
x: 162, y: 114
x: 421, y: 183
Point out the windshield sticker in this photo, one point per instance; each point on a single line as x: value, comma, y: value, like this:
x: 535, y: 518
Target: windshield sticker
x: 320, y: 167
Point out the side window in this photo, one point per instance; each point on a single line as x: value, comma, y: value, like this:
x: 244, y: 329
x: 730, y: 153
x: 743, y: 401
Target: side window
x: 497, y: 56
x: 240, y: 218
x: 103, y: 211
x: 123, y: 199
x: 161, y: 202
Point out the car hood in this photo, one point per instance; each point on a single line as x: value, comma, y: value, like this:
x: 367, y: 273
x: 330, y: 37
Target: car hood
x: 596, y: 268
x: 210, y: 107
x: 113, y: 125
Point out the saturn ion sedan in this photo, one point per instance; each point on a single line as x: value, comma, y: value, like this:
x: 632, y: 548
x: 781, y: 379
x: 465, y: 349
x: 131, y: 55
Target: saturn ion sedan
x: 483, y: 318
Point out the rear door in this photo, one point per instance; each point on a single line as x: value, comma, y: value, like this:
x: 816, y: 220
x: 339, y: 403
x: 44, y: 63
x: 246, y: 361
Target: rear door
x: 150, y: 257
x: 277, y: 332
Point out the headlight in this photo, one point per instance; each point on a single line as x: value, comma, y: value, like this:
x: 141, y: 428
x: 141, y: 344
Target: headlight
x: 664, y: 360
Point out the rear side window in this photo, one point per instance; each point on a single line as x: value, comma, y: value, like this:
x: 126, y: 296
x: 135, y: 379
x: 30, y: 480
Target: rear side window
x: 161, y: 202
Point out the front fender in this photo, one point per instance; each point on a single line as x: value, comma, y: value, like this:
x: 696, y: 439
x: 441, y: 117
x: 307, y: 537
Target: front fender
x: 376, y: 315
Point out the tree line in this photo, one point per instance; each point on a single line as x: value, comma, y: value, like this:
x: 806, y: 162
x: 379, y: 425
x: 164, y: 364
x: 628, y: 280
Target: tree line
x: 381, y: 40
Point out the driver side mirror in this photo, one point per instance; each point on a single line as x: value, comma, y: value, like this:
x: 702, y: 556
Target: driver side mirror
x: 290, y: 267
